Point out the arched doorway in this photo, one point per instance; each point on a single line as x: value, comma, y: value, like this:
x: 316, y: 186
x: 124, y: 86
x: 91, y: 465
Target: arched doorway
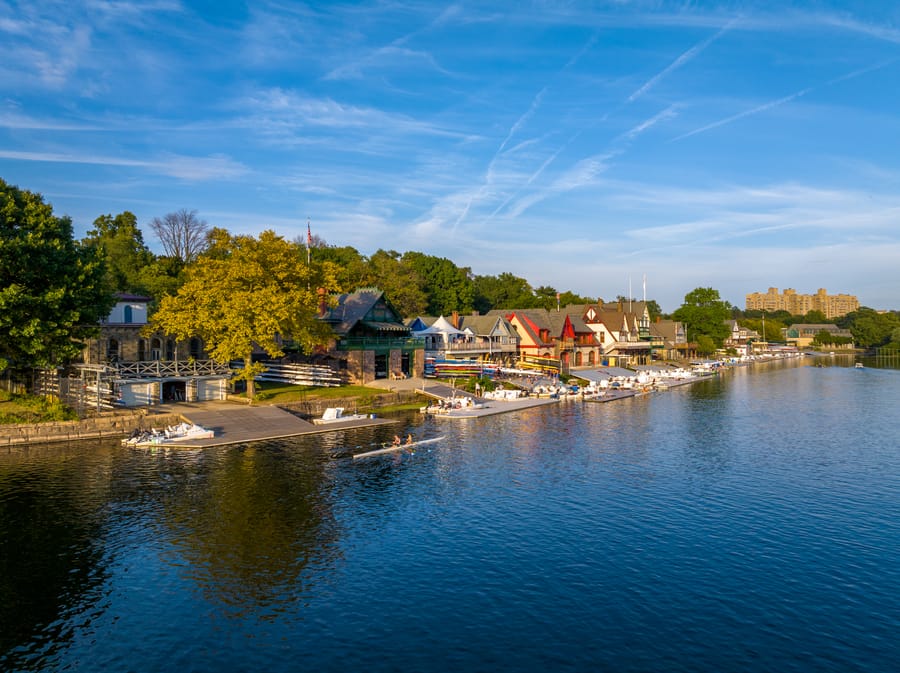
x: 112, y: 350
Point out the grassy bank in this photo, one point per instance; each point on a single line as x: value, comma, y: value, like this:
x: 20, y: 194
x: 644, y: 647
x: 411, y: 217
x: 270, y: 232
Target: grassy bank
x: 32, y: 409
x: 367, y: 399
x: 282, y: 393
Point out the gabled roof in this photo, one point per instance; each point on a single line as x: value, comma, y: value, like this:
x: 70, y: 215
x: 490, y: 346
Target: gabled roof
x: 613, y: 320
x: 532, y: 322
x: 485, y: 325
x: 135, y: 298
x: 666, y: 329
x: 352, y: 308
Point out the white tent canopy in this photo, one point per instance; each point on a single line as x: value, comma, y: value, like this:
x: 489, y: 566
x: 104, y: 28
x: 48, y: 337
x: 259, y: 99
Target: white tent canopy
x: 443, y: 325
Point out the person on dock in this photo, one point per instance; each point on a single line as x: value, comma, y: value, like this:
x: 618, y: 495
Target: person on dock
x: 396, y: 440
x: 409, y: 439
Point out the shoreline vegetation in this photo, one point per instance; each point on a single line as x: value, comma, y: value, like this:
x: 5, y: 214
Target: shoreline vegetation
x: 22, y: 411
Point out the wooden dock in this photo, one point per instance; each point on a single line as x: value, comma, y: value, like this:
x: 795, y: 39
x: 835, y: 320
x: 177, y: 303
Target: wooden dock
x: 236, y: 424
x: 493, y: 407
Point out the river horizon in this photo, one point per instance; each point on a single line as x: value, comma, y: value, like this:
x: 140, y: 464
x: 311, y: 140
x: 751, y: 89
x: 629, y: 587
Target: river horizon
x: 744, y: 523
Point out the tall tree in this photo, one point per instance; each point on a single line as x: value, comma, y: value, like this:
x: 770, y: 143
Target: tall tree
x: 503, y: 291
x: 400, y: 281
x: 123, y: 245
x: 182, y: 234
x: 704, y: 313
x: 447, y: 287
x: 250, y: 293
x: 869, y: 327
x: 52, y: 289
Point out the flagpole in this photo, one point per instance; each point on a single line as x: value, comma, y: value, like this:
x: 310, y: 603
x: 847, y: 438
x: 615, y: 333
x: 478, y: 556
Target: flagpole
x: 308, y: 246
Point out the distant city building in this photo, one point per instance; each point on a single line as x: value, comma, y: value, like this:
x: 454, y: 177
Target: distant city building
x: 832, y: 305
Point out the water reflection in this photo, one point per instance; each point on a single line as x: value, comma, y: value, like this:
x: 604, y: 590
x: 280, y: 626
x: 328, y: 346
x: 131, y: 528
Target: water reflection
x: 247, y: 522
x: 579, y: 536
x: 52, y: 557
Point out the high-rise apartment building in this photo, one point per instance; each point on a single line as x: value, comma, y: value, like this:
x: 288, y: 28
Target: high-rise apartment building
x: 832, y: 306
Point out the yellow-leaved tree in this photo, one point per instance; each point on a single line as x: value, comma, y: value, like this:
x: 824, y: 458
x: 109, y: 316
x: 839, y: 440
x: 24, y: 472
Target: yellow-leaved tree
x: 245, y: 292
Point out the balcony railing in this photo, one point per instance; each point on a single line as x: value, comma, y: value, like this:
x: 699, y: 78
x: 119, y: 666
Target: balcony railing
x: 155, y: 369
x: 475, y: 346
x: 380, y: 344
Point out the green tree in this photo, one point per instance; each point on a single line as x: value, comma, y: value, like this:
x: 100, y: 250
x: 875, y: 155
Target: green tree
x: 352, y: 268
x: 654, y: 309
x: 773, y: 327
x: 501, y: 292
x: 252, y: 292
x: 447, y: 287
x: 705, y: 345
x: 122, y: 243
x: 825, y: 338
x: 704, y: 313
x: 545, y: 297
x: 894, y: 343
x: 52, y: 289
x: 400, y: 281
x: 163, y: 276
x: 815, y: 318
x: 869, y: 327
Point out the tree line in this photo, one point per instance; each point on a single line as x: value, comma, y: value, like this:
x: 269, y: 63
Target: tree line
x: 232, y: 289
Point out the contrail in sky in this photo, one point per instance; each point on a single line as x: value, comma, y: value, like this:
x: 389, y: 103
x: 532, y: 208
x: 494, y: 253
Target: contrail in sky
x: 680, y: 61
x: 782, y: 101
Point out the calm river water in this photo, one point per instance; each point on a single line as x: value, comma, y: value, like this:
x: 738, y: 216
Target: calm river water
x: 750, y: 523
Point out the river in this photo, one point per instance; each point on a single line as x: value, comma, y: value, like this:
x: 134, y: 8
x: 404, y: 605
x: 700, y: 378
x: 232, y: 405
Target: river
x: 746, y: 523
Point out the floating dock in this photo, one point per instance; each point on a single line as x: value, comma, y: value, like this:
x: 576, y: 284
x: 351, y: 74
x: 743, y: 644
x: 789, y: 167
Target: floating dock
x: 234, y: 424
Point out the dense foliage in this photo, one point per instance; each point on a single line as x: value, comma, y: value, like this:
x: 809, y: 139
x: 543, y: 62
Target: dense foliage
x: 53, y: 290
x: 704, y: 314
x: 248, y: 292
x: 871, y: 328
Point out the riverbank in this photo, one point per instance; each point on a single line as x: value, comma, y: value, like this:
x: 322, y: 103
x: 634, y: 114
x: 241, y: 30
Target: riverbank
x: 409, y: 392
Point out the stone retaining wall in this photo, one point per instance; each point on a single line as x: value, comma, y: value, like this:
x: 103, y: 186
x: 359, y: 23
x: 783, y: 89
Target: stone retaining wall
x: 122, y: 423
x: 118, y: 424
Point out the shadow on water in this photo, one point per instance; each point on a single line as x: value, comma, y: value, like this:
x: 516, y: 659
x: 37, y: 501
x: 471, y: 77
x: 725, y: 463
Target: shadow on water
x: 52, y: 557
x: 747, y: 522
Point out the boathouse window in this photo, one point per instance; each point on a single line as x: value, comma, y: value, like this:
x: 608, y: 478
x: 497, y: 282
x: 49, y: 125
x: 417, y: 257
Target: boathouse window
x: 142, y: 350
x: 156, y: 349
x: 128, y: 316
x: 170, y: 349
x: 112, y: 350
x: 195, y: 348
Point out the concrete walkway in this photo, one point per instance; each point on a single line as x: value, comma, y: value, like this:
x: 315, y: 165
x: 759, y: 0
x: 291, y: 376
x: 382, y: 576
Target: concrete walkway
x: 238, y: 424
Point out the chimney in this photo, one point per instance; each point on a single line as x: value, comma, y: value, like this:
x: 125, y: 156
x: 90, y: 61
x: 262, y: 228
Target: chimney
x: 323, y: 302
x: 454, y: 319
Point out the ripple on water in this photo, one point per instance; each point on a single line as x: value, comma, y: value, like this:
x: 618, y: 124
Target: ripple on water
x: 749, y: 523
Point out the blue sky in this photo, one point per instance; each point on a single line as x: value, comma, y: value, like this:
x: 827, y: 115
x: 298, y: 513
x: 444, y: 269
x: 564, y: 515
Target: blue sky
x: 582, y: 145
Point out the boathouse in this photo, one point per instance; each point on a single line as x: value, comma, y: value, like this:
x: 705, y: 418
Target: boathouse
x: 369, y: 339
x: 122, y: 366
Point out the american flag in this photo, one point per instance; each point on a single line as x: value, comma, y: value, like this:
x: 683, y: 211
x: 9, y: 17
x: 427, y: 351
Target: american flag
x: 308, y: 235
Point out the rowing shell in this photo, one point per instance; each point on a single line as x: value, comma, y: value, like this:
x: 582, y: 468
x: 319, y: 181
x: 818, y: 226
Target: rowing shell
x: 399, y: 447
